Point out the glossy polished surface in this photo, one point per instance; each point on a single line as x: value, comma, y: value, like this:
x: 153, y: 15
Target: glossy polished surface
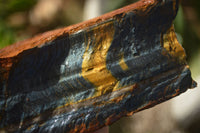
x: 86, y: 76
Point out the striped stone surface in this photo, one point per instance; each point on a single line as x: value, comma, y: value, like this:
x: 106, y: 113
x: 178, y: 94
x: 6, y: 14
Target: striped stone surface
x: 88, y: 75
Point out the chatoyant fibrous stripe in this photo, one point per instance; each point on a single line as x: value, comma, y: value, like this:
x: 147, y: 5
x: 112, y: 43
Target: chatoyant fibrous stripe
x: 81, y: 78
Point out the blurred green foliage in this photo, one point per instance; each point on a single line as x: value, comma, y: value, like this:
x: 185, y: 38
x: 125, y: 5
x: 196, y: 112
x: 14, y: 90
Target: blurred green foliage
x: 8, y: 7
x: 179, y: 21
x: 6, y: 35
x: 196, y: 5
x: 190, y: 40
x: 115, y: 4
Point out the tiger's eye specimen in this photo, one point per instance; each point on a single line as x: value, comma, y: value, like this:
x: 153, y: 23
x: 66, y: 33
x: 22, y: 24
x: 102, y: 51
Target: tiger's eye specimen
x: 83, y: 77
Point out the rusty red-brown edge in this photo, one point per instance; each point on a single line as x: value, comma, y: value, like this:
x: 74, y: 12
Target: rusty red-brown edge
x: 41, y: 39
x: 49, y: 36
